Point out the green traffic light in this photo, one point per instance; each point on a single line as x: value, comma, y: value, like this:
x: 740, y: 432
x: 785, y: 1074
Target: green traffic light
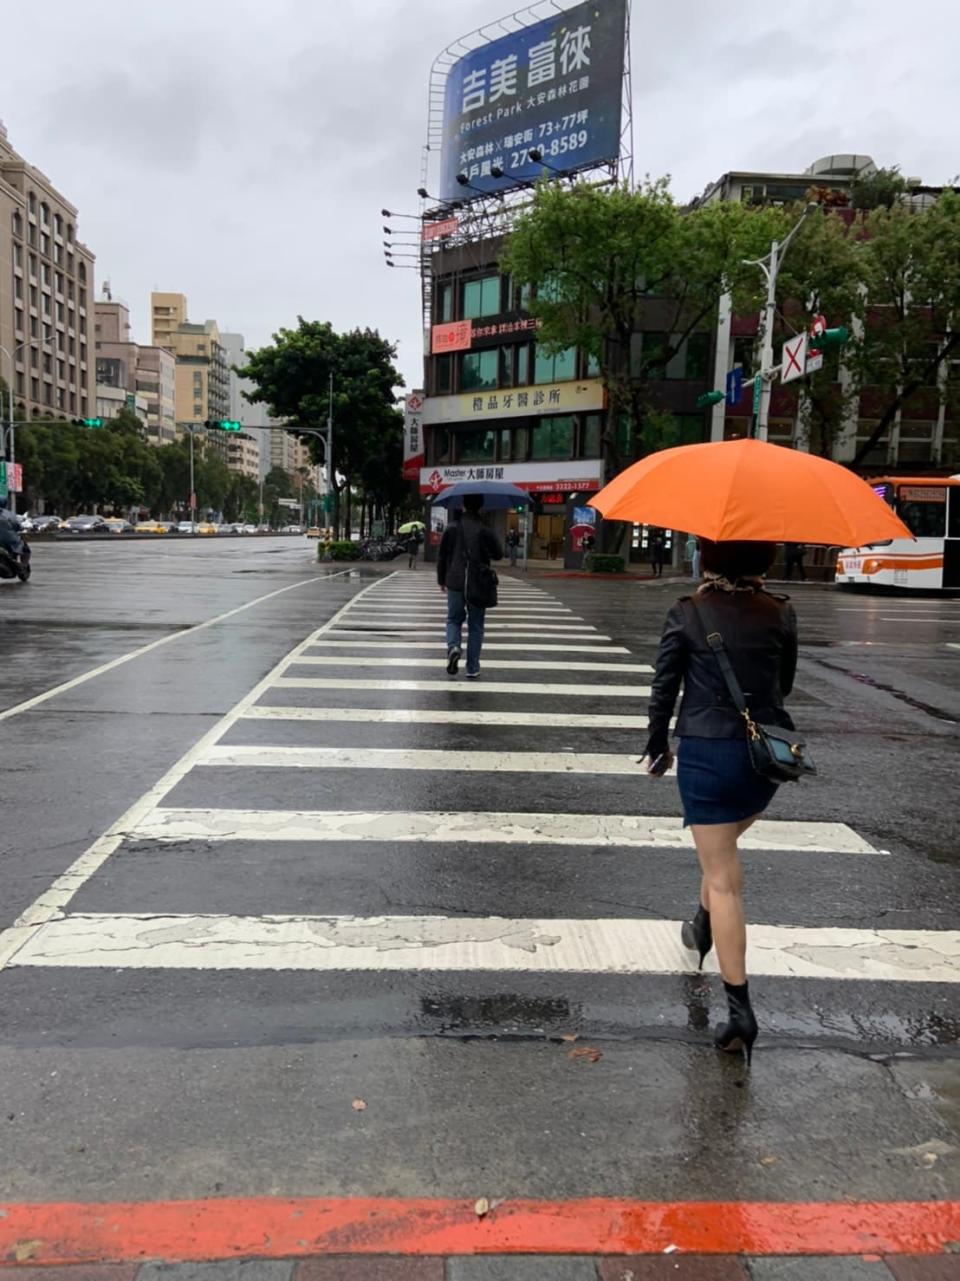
x: 710, y: 398
x: 829, y: 338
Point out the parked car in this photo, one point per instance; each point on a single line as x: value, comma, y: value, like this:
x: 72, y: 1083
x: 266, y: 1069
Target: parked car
x: 26, y: 524
x: 206, y: 528
x: 292, y: 529
x: 187, y: 527
x: 117, y: 525
x: 313, y: 531
x: 47, y: 524
x: 150, y: 527
x: 248, y: 529
x: 85, y: 525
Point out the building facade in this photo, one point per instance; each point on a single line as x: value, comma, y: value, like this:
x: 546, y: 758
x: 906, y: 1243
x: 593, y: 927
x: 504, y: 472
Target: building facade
x: 146, y: 374
x: 46, y: 293
x: 243, y: 451
x: 202, y: 383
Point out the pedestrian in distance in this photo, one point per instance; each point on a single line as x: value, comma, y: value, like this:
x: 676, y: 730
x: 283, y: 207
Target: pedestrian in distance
x: 513, y: 547
x: 793, y: 554
x: 413, y: 548
x: 721, y: 791
x: 466, y: 548
x: 692, y: 552
x: 657, y: 551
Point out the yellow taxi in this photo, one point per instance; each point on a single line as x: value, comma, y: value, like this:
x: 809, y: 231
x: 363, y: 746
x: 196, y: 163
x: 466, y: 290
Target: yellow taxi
x: 206, y: 528
x: 150, y: 527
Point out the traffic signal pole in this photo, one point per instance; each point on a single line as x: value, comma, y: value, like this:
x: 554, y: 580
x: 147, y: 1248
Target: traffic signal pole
x: 770, y: 266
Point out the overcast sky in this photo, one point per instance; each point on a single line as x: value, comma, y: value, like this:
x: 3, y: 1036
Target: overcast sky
x: 240, y: 151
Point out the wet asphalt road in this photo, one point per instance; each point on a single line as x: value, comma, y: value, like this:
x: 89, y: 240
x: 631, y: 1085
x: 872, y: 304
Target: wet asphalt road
x: 134, y: 1078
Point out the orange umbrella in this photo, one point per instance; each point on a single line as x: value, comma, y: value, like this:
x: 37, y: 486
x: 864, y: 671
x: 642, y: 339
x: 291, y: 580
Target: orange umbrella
x: 751, y: 490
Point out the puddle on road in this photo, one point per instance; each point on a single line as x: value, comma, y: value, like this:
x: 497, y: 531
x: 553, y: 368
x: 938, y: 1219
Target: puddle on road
x: 862, y: 679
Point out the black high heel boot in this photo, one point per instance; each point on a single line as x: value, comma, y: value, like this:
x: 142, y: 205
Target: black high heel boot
x: 740, y: 1031
x: 697, y: 935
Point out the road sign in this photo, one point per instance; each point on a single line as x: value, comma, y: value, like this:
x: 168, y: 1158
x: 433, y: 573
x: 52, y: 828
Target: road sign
x: 735, y: 385
x: 757, y: 393
x: 3, y: 480
x: 327, y: 502
x: 794, y: 362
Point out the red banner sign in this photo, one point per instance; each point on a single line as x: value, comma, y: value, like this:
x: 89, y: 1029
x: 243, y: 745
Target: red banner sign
x: 434, y: 230
x: 453, y: 337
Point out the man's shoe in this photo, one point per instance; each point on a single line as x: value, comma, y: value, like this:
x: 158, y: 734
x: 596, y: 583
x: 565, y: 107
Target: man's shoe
x: 453, y: 661
x: 473, y: 676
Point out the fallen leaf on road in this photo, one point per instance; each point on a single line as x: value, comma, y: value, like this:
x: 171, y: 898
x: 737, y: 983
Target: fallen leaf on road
x: 570, y: 1036
x: 359, y: 1105
x: 482, y: 1207
x: 768, y: 1160
x: 585, y: 1054
x: 929, y: 1159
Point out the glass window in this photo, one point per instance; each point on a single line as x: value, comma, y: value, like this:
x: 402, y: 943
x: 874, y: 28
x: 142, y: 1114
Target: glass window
x: 445, y: 304
x: 476, y: 446
x: 549, y: 289
x: 698, y: 357
x: 478, y: 369
x: 481, y: 297
x: 926, y: 520
x: 444, y: 373
x: 555, y: 369
x: 593, y: 366
x: 506, y: 366
x: 652, y: 351
x: 590, y: 437
x: 552, y: 438
x: 505, y: 445
x: 523, y: 365
x: 521, y: 444
x: 439, y: 451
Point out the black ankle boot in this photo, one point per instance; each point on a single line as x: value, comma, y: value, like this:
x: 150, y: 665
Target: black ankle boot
x: 740, y: 1031
x: 697, y: 935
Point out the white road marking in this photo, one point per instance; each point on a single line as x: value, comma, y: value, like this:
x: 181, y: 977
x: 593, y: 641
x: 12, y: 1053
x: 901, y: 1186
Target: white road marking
x: 518, y: 625
x: 467, y: 687
x: 45, y: 697
x: 482, y: 828
x: 511, y: 664
x: 54, y: 899
x: 951, y: 645
x: 438, y: 647
x: 262, y: 756
x: 436, y: 634
x: 405, y: 716
x: 456, y: 944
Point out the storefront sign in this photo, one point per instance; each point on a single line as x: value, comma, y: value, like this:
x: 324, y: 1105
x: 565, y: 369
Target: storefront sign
x: 457, y: 336
x: 413, y: 435
x: 575, y: 476
x: 924, y: 494
x: 519, y: 402
x: 489, y: 334
x: 434, y: 230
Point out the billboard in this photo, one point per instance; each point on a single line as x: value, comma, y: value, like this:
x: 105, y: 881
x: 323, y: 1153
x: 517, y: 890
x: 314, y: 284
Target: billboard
x: 556, y: 85
x: 412, y: 435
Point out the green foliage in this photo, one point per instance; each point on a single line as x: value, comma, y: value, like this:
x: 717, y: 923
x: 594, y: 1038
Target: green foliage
x: 338, y: 551
x: 292, y: 377
x: 601, y: 563
x: 879, y: 190
x: 598, y: 256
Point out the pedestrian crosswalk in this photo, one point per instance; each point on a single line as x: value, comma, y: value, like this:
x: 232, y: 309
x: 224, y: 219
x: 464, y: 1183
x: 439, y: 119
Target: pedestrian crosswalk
x: 359, y: 751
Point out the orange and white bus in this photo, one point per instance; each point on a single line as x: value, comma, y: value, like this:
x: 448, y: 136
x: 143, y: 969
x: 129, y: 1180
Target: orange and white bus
x: 930, y: 508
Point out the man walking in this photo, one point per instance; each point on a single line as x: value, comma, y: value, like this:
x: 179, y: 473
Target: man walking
x: 413, y: 548
x: 657, y: 550
x: 513, y: 547
x: 467, y: 541
x: 692, y: 551
x: 793, y: 554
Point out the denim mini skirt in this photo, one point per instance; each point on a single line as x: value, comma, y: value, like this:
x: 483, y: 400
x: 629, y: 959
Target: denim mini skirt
x: 718, y: 783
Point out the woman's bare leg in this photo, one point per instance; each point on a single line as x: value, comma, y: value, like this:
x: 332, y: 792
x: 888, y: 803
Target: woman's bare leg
x: 723, y: 879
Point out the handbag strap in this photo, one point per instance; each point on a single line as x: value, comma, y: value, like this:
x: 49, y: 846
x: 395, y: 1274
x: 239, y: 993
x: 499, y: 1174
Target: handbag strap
x: 715, y: 642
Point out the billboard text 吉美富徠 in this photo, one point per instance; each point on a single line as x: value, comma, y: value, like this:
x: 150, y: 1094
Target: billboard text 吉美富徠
x: 555, y: 86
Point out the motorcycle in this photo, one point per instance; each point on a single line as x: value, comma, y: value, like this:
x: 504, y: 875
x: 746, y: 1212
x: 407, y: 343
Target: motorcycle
x: 15, y: 564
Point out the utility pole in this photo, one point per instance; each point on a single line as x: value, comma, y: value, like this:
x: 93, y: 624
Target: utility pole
x: 770, y: 266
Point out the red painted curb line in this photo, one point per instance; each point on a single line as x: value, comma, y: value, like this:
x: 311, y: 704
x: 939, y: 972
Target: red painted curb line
x: 273, y: 1227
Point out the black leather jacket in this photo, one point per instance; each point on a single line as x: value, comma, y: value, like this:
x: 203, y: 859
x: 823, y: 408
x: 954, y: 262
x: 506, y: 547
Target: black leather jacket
x: 759, y: 632
x: 468, y: 537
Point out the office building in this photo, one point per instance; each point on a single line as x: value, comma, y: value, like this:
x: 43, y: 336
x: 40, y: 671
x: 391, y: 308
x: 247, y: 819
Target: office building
x: 46, y: 287
x: 202, y: 383
x: 145, y: 374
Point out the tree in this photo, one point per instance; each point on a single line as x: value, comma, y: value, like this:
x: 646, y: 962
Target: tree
x: 597, y: 256
x: 881, y: 189
x: 277, y: 484
x: 292, y: 377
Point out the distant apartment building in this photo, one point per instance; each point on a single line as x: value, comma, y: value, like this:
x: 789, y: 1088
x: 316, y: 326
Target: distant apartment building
x: 46, y: 284
x: 202, y: 384
x: 145, y: 376
x: 244, y: 451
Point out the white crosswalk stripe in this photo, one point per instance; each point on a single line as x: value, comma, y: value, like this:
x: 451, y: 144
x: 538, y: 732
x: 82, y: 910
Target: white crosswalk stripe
x: 398, y: 623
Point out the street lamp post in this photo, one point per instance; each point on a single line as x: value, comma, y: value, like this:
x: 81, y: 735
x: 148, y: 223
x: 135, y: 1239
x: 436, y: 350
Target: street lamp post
x: 770, y: 266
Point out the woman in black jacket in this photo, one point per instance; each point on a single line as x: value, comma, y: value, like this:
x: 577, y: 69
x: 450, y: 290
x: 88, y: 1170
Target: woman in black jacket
x: 721, y: 792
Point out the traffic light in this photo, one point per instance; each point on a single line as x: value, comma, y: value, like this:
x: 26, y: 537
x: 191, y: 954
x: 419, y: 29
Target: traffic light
x: 829, y: 338
x: 87, y: 422
x: 710, y: 398
x: 223, y: 424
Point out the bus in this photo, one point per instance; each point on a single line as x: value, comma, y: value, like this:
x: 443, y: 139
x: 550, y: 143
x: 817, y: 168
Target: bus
x: 930, y: 508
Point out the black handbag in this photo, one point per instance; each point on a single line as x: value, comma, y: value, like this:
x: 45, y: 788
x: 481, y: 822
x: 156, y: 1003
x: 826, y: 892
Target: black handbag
x: 777, y: 754
x: 480, y: 580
